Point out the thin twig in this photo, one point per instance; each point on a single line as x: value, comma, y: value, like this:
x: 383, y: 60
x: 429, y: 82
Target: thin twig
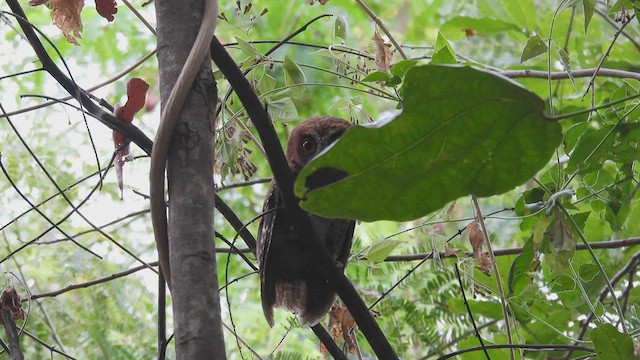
x: 494, y: 265
x: 538, y: 74
x: 466, y: 304
x: 90, y: 283
x: 382, y: 27
x: 613, y: 244
x: 615, y: 26
x: 606, y: 53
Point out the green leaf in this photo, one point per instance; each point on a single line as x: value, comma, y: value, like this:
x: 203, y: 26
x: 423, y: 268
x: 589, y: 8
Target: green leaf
x: 588, y: 6
x: 565, y: 59
x: 521, y: 266
x: 618, y: 143
x: 563, y: 283
x: 377, y: 76
x: 462, y: 131
x: 612, y: 344
x: 294, y: 74
x: 443, y: 52
x: 522, y: 11
x: 401, y: 67
x: 346, y: 102
x: 558, y: 244
x: 535, y: 46
x: 266, y: 84
x: 341, y: 28
x: 588, y: 271
x: 380, y: 249
x: 282, y: 109
x: 457, y: 28
x: 247, y: 48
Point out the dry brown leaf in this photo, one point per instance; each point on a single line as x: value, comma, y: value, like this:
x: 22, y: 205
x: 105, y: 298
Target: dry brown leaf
x: 342, y: 324
x: 485, y: 263
x: 383, y: 54
x: 66, y: 15
x: 476, y: 238
x: 10, y: 300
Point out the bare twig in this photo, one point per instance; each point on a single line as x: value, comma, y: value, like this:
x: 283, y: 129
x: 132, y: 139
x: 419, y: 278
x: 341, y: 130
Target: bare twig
x: 606, y: 53
x: 90, y: 283
x: 382, y: 27
x: 494, y: 264
x: 613, y: 244
x: 615, y: 25
x: 537, y: 74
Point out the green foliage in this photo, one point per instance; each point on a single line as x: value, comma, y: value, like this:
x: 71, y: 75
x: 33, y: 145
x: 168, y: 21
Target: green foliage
x: 610, y: 343
x: 440, y: 141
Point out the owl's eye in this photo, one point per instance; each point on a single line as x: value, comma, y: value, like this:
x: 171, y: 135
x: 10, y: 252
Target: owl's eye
x: 309, y: 145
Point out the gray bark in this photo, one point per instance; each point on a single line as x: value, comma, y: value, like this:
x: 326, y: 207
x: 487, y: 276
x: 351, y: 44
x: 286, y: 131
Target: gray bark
x: 196, y: 301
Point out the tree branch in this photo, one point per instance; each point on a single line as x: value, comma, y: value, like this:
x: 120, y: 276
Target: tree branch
x: 301, y: 221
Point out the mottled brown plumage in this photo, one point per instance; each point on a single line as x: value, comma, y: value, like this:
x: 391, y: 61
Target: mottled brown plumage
x: 288, y: 277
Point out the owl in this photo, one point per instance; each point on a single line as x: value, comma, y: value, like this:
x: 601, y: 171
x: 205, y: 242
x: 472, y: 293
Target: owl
x: 288, y: 278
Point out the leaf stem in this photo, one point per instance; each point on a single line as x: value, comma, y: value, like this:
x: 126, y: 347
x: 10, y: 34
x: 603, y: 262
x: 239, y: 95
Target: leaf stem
x: 586, y: 111
x: 382, y: 27
x: 503, y: 302
x: 616, y: 304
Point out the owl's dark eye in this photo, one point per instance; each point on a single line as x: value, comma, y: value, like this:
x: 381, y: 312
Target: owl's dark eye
x: 309, y: 145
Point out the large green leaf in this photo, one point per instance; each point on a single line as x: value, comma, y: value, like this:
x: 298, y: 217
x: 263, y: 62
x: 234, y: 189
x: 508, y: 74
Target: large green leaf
x: 612, y: 344
x: 462, y: 131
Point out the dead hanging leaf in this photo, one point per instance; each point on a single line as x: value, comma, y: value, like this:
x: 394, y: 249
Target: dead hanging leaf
x: 10, y: 300
x: 106, y: 8
x: 477, y: 240
x: 136, y: 95
x: 66, y: 15
x: 484, y: 263
x: 476, y: 237
x: 341, y: 323
x: 383, y: 54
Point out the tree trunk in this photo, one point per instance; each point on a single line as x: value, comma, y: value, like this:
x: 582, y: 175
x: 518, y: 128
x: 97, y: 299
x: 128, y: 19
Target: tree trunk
x: 196, y: 302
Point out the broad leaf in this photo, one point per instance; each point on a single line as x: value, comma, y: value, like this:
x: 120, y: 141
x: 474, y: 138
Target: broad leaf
x: 282, y: 109
x: 612, y: 344
x: 525, y: 263
x: 462, y: 131
x: 589, y: 6
x: 247, y: 48
x: 294, y: 74
x: 535, y: 46
x: 443, y: 52
x: 522, y: 11
x: 341, y: 27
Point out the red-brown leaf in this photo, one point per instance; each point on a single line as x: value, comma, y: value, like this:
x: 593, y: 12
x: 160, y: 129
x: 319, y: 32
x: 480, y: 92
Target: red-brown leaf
x: 10, y: 300
x: 106, y: 8
x: 136, y: 94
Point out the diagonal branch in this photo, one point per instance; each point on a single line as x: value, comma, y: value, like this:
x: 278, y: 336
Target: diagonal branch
x: 302, y: 223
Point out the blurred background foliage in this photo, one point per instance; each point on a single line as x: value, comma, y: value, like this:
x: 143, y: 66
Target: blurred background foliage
x: 322, y: 73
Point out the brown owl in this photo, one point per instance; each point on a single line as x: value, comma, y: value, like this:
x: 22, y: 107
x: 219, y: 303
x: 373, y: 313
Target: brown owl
x: 287, y: 276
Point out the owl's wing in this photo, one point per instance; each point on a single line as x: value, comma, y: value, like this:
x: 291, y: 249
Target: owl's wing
x: 265, y: 233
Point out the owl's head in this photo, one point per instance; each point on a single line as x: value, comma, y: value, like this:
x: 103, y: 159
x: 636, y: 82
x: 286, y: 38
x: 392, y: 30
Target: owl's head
x: 311, y: 137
